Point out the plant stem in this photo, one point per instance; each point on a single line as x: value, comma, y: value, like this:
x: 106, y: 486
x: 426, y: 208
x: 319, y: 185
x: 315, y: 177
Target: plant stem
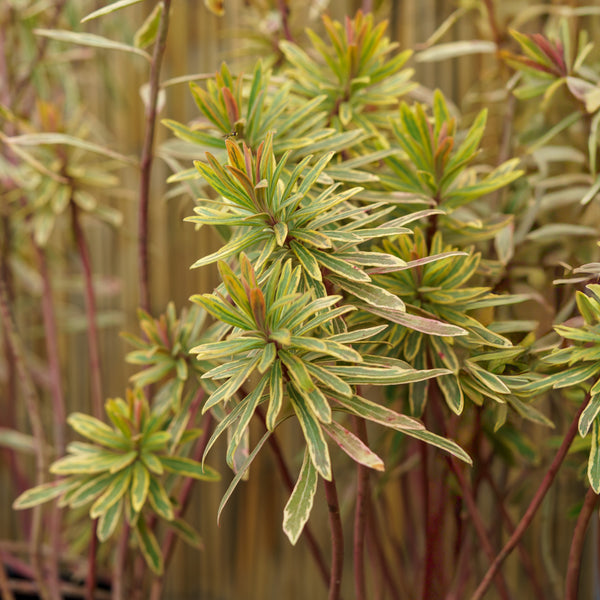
x: 148, y: 154
x: 118, y: 575
x: 337, y: 539
x: 90, y: 579
x: 534, y: 504
x: 360, y: 516
x: 376, y: 551
x: 5, y: 591
x: 477, y: 520
x: 526, y: 561
x: 90, y: 306
x: 574, y: 562
x: 184, y: 497
x: 39, y: 437
x: 489, y: 5
x: 284, y: 11
x: 59, y: 412
x: 289, y: 483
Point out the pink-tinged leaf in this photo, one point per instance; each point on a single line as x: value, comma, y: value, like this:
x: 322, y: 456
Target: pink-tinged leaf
x: 353, y: 446
x: 241, y: 472
x: 298, y: 508
x: 422, y: 324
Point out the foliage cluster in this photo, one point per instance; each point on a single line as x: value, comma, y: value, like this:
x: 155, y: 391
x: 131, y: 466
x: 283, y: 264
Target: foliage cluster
x: 380, y: 264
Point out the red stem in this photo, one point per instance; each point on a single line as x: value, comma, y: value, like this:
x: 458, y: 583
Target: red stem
x: 478, y: 523
x: 576, y: 551
x: 377, y: 554
x: 289, y: 483
x: 526, y: 561
x: 337, y: 539
x: 90, y: 580
x: 5, y: 591
x: 91, y: 312
x: 59, y: 412
x: 533, y: 506
x: 118, y: 575
x: 148, y: 154
x: 360, y: 516
x: 284, y: 10
x: 39, y: 437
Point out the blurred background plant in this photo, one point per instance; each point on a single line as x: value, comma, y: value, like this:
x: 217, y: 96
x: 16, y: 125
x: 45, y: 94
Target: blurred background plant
x: 431, y: 182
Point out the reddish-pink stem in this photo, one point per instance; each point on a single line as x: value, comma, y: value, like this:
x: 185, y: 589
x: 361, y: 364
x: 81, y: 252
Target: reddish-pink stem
x: 148, y: 155
x: 576, y: 551
x: 337, y: 539
x: 90, y: 305
x: 533, y: 506
x: 360, y: 516
x: 469, y: 499
x: 90, y: 579
x: 289, y: 483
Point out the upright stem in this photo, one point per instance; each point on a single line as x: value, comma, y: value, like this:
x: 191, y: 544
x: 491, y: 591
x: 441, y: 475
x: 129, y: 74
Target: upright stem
x: 90, y: 580
x: 469, y: 500
x: 91, y: 312
x: 337, y: 539
x: 5, y: 591
x: 574, y: 563
x: 289, y: 483
x: 360, y: 516
x: 118, y: 574
x: 59, y: 412
x: 39, y: 437
x: 94, y: 360
x: 284, y: 11
x: 168, y: 545
x: 534, y: 504
x: 148, y: 154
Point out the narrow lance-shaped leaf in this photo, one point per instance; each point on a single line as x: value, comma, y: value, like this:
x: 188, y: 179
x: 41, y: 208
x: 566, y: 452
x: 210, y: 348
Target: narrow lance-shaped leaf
x: 149, y: 546
x: 594, y: 458
x: 42, y: 493
x: 299, y: 506
x: 353, y: 446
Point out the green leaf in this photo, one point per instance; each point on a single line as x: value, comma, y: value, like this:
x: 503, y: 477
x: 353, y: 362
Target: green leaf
x: 275, y: 395
x: 149, y: 546
x: 589, y: 414
x: 379, y: 414
x: 487, y: 379
x: 300, y: 503
x: 373, y: 295
x: 85, y: 463
x: 418, y: 323
x: 146, y: 34
x: 440, y: 442
x: 159, y: 499
x: 594, y: 458
x: 90, y: 39
x: 42, y: 493
x: 140, y: 484
x: 353, y: 446
x: 15, y: 440
x: 108, y: 521
x: 383, y: 375
x: 317, y: 446
x: 109, y: 9
x: 40, y: 139
x: 241, y: 472
x: 187, y: 533
x: 113, y: 492
x: 87, y: 490
x: 186, y: 467
x: 456, y: 49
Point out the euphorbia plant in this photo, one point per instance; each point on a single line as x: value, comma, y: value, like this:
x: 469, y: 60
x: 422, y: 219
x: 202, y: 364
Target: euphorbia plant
x: 374, y: 270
